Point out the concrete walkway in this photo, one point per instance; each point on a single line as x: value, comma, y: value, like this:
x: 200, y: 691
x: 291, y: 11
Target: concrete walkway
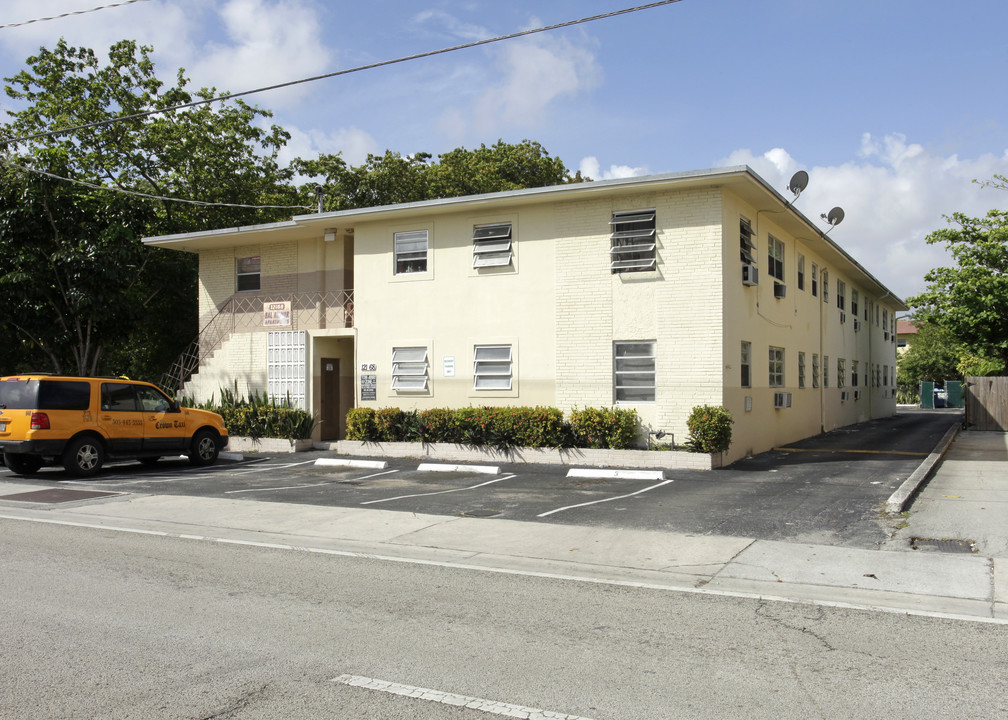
x: 967, y: 499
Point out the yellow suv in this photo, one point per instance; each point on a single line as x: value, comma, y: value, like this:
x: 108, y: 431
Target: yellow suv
x: 82, y: 421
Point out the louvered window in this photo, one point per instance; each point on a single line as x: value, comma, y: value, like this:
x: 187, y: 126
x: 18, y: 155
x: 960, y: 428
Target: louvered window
x: 492, y: 245
x: 410, y: 368
x: 633, y: 247
x: 746, y: 246
x: 411, y: 252
x: 492, y: 367
x: 634, y: 371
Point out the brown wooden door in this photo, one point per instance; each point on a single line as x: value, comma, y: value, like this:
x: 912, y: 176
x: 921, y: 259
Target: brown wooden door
x: 330, y: 410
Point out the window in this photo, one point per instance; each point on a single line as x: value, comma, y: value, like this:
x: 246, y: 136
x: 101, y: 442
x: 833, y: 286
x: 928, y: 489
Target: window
x: 841, y: 294
x: 825, y: 371
x: 775, y: 258
x: 632, y: 241
x: 247, y: 274
x: 815, y: 370
x: 492, y: 367
x: 801, y: 272
x: 152, y: 401
x: 801, y: 369
x: 853, y: 302
x: 746, y: 364
x: 885, y: 376
x: 841, y: 373
x: 410, y: 368
x: 634, y: 371
x: 825, y: 285
x: 411, y: 252
x: 854, y: 373
x: 746, y: 245
x: 776, y: 367
x: 118, y: 397
x: 492, y: 245
x: 815, y: 280
x: 885, y: 320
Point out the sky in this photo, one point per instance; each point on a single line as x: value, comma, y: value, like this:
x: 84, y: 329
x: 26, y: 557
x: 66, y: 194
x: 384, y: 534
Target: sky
x: 896, y: 109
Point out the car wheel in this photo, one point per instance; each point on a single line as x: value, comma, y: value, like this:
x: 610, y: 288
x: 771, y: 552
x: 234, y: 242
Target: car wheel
x: 22, y: 464
x: 83, y: 456
x: 204, y: 448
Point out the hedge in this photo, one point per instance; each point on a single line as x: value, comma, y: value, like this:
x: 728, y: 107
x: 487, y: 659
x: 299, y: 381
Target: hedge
x: 498, y: 427
x: 709, y: 429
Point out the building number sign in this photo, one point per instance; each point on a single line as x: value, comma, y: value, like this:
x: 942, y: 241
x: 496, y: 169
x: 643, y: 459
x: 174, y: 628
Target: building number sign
x: 368, y: 367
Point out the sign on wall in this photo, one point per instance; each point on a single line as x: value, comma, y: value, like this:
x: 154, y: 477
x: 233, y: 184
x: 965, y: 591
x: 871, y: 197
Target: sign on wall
x: 277, y: 314
x: 368, y: 386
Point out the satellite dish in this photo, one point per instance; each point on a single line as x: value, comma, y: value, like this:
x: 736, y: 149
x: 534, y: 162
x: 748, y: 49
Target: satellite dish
x: 799, y: 181
x: 835, y: 216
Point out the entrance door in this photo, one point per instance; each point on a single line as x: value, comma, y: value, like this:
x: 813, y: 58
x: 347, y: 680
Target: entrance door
x: 331, y: 420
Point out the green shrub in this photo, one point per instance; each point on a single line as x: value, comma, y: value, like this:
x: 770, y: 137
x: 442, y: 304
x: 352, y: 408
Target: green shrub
x: 615, y: 428
x: 709, y: 429
x: 360, y: 425
x: 259, y: 417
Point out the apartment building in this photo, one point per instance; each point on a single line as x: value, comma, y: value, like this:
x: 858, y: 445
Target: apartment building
x: 657, y: 293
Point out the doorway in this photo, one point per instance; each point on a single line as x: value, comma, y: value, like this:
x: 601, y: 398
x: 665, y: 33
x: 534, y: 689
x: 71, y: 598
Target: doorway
x: 332, y: 420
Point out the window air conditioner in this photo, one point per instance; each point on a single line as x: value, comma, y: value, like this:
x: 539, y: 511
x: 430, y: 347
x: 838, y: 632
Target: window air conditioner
x: 781, y: 400
x: 750, y: 275
x: 779, y: 290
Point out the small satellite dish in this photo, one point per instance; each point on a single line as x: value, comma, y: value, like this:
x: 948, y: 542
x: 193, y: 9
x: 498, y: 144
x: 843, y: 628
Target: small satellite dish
x: 835, y: 216
x: 799, y: 181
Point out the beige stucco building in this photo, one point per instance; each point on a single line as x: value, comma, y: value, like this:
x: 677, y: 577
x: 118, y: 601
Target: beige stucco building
x: 658, y: 293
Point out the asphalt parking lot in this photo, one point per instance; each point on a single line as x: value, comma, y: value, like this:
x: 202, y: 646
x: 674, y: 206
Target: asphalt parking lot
x: 829, y: 489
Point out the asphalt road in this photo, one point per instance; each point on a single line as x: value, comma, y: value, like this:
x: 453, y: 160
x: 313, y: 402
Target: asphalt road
x: 829, y: 489
x: 99, y: 624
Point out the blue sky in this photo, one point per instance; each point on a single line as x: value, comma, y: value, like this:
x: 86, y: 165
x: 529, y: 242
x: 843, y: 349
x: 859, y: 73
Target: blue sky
x: 893, y: 107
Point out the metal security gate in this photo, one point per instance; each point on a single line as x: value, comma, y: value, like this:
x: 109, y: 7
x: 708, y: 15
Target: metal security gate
x: 285, y: 367
x: 987, y: 403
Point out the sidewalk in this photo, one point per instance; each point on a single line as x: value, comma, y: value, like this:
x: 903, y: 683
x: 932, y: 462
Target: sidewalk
x: 966, y: 499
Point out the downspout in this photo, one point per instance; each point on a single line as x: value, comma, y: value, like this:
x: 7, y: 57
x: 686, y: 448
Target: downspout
x: 822, y: 363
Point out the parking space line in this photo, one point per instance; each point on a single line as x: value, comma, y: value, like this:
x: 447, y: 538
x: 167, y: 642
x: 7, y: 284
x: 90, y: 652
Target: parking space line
x: 307, y: 485
x: 596, y: 502
x: 439, y: 492
x: 865, y: 452
x: 493, y: 707
x: 274, y: 467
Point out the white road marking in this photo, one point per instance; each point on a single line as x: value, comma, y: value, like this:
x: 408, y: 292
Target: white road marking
x: 525, y: 573
x: 439, y: 492
x: 596, y: 502
x: 493, y: 707
x: 274, y: 467
x: 308, y: 485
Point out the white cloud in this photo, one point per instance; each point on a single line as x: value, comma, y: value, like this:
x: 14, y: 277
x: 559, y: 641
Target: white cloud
x: 893, y: 196
x: 589, y: 167
x: 354, y: 144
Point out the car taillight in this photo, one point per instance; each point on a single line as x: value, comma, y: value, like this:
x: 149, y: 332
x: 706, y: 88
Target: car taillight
x: 39, y: 421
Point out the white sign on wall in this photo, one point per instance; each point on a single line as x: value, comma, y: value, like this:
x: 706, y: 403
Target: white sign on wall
x: 448, y: 366
x: 277, y: 314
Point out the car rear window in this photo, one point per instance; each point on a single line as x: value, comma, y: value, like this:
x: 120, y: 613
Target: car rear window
x: 63, y: 395
x: 18, y: 394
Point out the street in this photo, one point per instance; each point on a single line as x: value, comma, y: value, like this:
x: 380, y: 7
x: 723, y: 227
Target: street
x: 105, y: 624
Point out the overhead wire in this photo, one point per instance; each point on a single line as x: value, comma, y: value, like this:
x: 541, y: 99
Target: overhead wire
x: 338, y: 73
x: 69, y: 14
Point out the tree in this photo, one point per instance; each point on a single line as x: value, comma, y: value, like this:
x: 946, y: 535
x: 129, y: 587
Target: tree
x: 933, y: 355
x: 970, y: 300
x: 71, y: 260
x: 394, y: 178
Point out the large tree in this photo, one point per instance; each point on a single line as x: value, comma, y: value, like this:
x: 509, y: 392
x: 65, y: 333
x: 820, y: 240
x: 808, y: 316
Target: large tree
x: 970, y: 300
x: 88, y: 296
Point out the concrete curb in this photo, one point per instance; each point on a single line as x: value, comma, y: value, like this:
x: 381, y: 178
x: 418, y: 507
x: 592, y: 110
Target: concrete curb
x: 599, y: 474
x: 440, y: 467
x: 898, y: 501
x: 339, y: 462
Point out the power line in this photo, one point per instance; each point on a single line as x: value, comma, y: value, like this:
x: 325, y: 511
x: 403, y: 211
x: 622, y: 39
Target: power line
x: 69, y: 14
x: 149, y: 196
x: 359, y: 68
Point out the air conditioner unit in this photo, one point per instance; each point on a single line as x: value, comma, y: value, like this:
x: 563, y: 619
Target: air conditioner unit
x: 779, y: 290
x: 781, y: 400
x: 844, y: 395
x: 843, y: 317
x: 857, y: 325
x: 750, y: 275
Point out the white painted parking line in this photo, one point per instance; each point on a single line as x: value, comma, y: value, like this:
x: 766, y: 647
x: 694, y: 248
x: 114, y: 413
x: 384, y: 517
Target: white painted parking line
x: 344, y: 462
x: 307, y: 485
x: 441, y: 467
x: 268, y: 468
x: 493, y: 707
x: 439, y: 492
x: 596, y: 502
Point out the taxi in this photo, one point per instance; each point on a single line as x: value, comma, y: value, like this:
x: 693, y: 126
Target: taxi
x: 83, y: 421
